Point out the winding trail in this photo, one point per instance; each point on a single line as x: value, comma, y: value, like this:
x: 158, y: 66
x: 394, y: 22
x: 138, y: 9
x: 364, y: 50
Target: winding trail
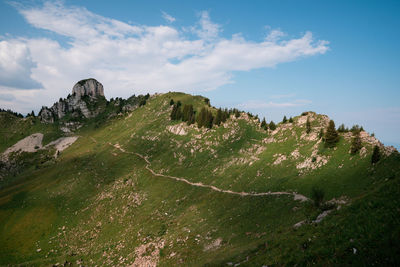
x: 295, y: 195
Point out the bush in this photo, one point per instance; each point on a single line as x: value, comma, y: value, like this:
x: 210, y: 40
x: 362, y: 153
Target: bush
x: 376, y: 155
x: 317, y: 195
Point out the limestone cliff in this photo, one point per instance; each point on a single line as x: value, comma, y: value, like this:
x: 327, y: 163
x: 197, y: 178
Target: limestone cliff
x: 81, y: 103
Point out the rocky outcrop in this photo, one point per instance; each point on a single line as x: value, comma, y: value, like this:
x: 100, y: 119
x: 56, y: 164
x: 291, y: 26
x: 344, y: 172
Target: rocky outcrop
x: 84, y: 93
x: 88, y: 87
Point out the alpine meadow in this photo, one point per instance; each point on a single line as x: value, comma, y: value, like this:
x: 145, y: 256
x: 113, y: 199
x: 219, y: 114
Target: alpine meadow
x: 173, y: 144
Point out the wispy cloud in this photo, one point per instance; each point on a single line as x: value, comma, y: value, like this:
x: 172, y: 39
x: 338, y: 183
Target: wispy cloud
x: 262, y: 105
x: 168, y: 17
x: 282, y: 96
x: 131, y: 59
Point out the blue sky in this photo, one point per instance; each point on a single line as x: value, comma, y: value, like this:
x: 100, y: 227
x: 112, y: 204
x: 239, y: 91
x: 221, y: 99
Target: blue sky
x: 272, y: 58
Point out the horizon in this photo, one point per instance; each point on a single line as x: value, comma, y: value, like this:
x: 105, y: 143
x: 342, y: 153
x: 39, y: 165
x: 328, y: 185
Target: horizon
x: 339, y: 59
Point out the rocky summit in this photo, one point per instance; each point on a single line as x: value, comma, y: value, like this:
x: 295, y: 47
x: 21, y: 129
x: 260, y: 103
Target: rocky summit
x: 170, y: 180
x: 85, y: 94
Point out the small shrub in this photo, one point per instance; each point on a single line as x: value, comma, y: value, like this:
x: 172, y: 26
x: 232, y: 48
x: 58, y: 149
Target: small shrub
x: 376, y: 155
x: 317, y: 195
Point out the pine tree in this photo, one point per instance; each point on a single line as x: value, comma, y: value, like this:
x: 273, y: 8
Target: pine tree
x: 173, y: 112
x: 308, y: 126
x: 179, y: 113
x: 263, y: 123
x: 192, y: 119
x: 272, y: 126
x: 237, y: 113
x: 218, y: 118
x: 284, y: 120
x: 201, y: 118
x: 341, y: 128
x: 376, y: 155
x: 291, y: 120
x: 331, y: 135
x: 171, y: 102
x: 355, y: 143
x: 209, y: 119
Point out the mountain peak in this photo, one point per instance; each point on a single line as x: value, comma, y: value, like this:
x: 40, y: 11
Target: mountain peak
x: 90, y: 87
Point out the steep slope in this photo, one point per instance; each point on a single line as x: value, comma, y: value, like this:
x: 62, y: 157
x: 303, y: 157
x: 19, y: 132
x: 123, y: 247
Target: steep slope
x: 141, y: 189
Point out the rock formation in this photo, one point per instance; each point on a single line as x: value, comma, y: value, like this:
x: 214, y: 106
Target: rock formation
x: 84, y: 93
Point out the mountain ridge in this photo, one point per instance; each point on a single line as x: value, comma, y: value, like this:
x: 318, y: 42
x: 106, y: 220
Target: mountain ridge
x: 137, y: 188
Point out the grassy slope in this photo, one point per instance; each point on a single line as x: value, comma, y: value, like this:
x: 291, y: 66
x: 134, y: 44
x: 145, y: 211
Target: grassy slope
x: 98, y: 204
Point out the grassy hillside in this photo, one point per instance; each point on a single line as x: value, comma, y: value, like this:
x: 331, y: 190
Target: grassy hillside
x: 98, y: 203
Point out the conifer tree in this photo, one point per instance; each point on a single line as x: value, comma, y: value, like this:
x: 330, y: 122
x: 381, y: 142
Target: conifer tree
x: 284, y: 120
x: 331, y: 135
x: 341, y: 128
x: 171, y: 102
x: 308, y: 126
x: 218, y: 118
x: 201, y: 118
x: 355, y: 143
x: 237, y: 113
x: 376, y: 155
x: 291, y: 120
x: 179, y: 113
x: 173, y: 112
x: 192, y: 118
x: 272, y: 126
x: 209, y: 119
x: 263, y: 123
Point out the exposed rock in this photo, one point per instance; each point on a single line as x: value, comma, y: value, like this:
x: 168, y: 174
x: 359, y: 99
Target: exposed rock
x: 62, y: 143
x: 75, y: 104
x: 322, y: 216
x: 363, y: 152
x: 88, y: 87
x: 214, y: 245
x: 295, y: 154
x: 279, y: 159
x: 178, y: 129
x: 29, y: 144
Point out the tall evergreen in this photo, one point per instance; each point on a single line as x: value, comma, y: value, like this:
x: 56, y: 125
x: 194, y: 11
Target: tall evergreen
x: 376, y: 155
x: 308, y: 126
x: 284, y: 120
x: 272, y: 126
x: 171, y: 102
x: 291, y: 120
x: 331, y: 135
x: 209, y: 119
x: 201, y: 118
x: 187, y: 112
x: 173, y: 112
x: 263, y: 123
x: 179, y: 113
x: 237, y: 113
x: 355, y: 143
x: 218, y: 118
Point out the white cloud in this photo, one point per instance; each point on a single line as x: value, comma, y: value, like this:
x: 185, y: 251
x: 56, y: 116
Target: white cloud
x: 136, y: 59
x: 168, y: 17
x: 15, y: 65
x: 255, y: 104
x: 206, y: 29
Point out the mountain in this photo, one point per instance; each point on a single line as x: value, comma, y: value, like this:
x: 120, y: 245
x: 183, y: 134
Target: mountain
x: 127, y: 185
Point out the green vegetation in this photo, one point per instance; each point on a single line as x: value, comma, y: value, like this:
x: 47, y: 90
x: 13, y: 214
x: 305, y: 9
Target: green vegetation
x: 376, y: 155
x: 331, y: 135
x: 98, y: 204
x: 355, y: 143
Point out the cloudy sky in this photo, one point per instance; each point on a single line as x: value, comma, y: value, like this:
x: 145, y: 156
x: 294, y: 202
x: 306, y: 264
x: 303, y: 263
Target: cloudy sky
x: 273, y: 58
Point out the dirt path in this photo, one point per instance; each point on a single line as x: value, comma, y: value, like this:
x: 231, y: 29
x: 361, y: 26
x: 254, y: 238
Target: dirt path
x: 295, y: 195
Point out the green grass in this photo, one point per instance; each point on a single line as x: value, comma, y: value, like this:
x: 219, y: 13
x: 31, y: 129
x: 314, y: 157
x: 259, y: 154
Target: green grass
x: 99, y: 204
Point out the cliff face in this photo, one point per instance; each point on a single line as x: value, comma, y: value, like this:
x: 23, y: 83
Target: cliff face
x: 88, y: 87
x: 83, y: 93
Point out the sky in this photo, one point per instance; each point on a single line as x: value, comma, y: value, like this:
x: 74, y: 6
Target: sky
x: 272, y: 58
